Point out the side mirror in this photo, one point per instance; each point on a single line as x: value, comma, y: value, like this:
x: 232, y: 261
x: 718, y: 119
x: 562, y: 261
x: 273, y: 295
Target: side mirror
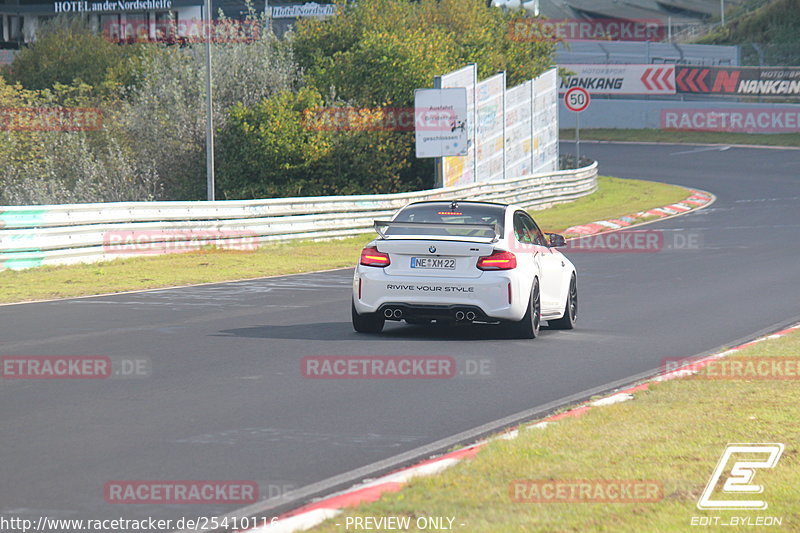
x: 556, y: 240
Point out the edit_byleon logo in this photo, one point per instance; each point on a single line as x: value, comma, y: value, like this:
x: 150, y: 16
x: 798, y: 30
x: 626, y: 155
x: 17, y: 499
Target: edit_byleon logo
x: 747, y: 458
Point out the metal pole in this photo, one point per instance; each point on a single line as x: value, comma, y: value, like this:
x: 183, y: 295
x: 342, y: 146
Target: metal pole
x: 474, y: 122
x: 209, y: 108
x: 438, y: 163
x: 533, y: 123
x: 722, y: 11
x: 577, y: 140
x: 505, y: 151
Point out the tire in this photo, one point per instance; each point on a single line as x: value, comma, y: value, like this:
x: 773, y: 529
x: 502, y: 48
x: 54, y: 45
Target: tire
x: 371, y: 323
x: 528, y: 327
x: 570, y: 309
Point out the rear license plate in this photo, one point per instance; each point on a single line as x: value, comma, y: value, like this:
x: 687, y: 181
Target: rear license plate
x: 439, y: 263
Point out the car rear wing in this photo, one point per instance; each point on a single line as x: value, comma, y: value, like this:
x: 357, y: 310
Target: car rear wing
x: 388, y: 229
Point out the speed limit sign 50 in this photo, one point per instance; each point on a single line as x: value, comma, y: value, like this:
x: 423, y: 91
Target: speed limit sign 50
x: 577, y: 99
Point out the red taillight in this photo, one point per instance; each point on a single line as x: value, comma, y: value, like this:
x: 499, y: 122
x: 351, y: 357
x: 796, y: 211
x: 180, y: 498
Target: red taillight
x: 370, y: 256
x: 498, y: 261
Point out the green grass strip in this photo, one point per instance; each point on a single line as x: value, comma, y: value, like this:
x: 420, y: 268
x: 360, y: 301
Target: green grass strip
x: 674, y: 434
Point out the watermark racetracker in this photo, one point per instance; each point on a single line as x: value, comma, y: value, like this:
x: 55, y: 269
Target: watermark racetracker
x: 398, y: 119
x: 586, y: 491
x: 738, y: 369
x: 394, y: 367
x: 142, y: 30
x: 44, y: 367
x: 175, y: 241
x: 51, y: 119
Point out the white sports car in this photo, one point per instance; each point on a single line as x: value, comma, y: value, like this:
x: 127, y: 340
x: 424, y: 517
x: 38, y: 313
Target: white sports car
x: 464, y: 262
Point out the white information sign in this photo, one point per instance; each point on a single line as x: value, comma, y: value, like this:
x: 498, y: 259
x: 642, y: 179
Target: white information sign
x: 441, y: 122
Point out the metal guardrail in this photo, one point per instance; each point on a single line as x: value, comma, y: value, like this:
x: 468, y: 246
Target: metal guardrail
x: 62, y: 234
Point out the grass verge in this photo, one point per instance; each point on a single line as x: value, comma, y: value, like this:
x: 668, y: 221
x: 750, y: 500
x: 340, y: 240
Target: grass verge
x: 615, y: 197
x: 674, y: 433
x: 689, y: 137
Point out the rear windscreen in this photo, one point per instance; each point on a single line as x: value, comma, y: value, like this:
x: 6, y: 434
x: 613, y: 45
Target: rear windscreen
x: 445, y: 214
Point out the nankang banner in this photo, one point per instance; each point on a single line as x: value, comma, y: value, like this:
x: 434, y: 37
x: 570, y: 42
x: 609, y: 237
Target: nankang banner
x: 738, y: 81
x: 620, y: 79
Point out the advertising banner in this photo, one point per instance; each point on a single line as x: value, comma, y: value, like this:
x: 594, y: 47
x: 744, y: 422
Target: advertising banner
x: 545, y: 122
x: 738, y: 81
x: 519, y: 144
x: 489, y: 142
x: 620, y: 79
x: 461, y: 170
x: 511, y: 132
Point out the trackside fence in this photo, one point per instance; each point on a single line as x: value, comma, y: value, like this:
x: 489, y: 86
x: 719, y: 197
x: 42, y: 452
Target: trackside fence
x: 32, y: 236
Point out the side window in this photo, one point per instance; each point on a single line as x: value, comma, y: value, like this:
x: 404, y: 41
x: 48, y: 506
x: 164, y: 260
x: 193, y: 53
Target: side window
x: 521, y: 231
x: 537, y: 237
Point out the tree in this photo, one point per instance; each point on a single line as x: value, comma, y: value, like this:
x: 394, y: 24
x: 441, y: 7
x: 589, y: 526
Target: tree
x: 278, y: 148
x: 163, y: 116
x: 39, y: 164
x: 378, y: 52
x: 66, y: 51
x: 374, y: 54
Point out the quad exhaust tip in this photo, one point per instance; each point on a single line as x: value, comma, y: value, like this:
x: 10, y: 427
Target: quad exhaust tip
x: 397, y: 313
x: 460, y: 315
x: 471, y: 315
x: 387, y: 313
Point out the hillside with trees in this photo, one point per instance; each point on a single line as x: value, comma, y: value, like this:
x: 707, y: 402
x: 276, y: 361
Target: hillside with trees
x: 773, y: 26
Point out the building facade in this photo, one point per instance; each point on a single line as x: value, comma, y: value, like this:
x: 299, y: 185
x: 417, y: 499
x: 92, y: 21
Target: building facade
x: 137, y: 19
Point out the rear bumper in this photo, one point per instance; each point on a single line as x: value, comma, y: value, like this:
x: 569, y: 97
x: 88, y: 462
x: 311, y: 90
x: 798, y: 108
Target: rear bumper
x: 440, y: 298
x: 454, y: 313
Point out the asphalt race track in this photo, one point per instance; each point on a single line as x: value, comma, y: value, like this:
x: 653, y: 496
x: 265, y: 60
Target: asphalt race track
x: 225, y: 398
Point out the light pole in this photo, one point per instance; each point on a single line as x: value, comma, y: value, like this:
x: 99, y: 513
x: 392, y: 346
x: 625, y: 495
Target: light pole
x: 722, y: 11
x: 209, y: 108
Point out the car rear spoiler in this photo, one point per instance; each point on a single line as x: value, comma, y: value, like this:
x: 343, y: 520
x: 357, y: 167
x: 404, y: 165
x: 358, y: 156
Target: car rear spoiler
x: 382, y: 225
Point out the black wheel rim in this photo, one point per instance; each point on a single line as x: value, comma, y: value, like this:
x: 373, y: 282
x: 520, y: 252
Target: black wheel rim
x: 573, y: 300
x: 536, y: 309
